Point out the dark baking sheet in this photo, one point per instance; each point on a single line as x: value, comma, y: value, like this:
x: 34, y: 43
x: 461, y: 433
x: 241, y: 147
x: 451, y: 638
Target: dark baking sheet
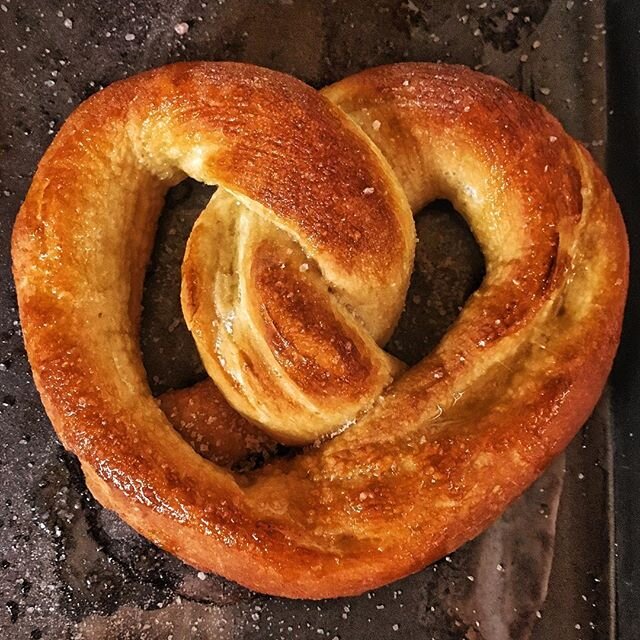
x: 68, y: 568
x: 623, y: 160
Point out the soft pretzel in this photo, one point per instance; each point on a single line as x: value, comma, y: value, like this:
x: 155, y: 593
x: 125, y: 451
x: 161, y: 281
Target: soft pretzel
x: 323, y: 180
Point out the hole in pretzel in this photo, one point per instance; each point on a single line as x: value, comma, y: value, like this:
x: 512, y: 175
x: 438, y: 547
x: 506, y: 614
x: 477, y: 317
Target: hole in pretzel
x: 448, y: 268
x: 169, y: 353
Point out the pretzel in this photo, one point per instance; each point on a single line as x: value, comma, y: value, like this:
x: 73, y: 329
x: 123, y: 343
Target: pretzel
x: 431, y: 455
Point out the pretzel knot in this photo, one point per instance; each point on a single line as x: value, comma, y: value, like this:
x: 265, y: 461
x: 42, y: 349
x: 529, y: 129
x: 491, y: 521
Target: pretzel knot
x: 294, y: 276
x: 289, y: 294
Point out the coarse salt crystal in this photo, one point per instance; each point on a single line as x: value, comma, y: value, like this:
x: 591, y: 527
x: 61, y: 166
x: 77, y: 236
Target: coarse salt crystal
x: 376, y: 125
x: 181, y: 28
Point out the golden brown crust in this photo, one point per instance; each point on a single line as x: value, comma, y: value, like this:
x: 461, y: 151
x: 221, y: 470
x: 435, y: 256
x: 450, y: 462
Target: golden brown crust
x: 449, y: 444
x: 202, y: 416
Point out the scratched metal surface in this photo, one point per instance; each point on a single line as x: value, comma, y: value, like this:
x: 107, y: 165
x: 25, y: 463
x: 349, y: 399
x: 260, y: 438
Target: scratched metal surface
x: 69, y: 569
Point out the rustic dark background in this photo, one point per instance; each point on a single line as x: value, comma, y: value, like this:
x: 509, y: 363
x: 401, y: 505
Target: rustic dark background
x: 623, y: 162
x: 69, y: 569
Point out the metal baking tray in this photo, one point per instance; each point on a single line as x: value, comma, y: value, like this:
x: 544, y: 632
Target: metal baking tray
x: 70, y: 569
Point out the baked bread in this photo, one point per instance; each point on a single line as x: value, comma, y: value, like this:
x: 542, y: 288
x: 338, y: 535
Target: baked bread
x: 431, y: 455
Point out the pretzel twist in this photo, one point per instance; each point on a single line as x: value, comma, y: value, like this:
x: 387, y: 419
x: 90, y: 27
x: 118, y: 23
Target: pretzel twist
x: 327, y: 181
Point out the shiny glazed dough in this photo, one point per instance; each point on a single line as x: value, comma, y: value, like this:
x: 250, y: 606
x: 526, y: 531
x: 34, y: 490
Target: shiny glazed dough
x: 435, y: 455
